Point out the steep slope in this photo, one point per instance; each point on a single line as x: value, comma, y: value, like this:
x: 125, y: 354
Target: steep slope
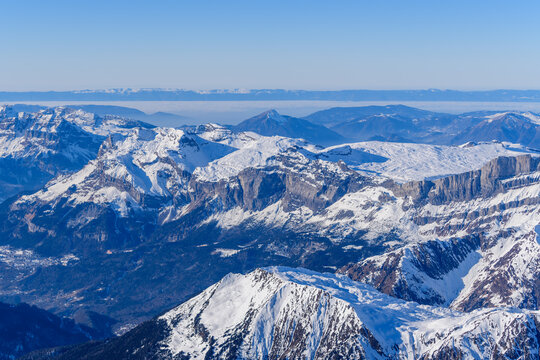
x: 24, y: 328
x: 522, y: 128
x: 147, y: 162
x: 35, y: 147
x: 297, y: 314
x: 484, y: 250
x: 271, y: 123
x: 135, y: 175
x: 159, y: 207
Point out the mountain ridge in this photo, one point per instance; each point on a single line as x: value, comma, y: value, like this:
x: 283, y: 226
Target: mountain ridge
x: 271, y: 123
x: 272, y: 94
x: 295, y: 313
x: 175, y: 210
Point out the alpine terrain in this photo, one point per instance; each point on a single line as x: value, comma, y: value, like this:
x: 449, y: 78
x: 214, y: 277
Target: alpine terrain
x: 380, y: 232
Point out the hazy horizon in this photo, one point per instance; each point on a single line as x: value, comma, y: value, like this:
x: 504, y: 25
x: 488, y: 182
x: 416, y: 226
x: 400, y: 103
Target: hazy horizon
x: 233, y: 112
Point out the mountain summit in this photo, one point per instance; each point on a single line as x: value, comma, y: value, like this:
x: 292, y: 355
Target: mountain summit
x: 270, y: 123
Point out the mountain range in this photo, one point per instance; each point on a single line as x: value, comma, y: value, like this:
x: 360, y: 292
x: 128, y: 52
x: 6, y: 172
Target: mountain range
x: 149, y: 94
x: 158, y: 118
x: 133, y: 222
x: 400, y: 123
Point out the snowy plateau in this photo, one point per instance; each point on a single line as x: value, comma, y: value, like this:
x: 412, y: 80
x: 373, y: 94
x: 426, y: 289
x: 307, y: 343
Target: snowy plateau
x: 334, y: 236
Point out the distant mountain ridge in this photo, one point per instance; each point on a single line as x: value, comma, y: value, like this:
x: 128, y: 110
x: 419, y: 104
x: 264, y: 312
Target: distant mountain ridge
x: 399, y: 123
x: 272, y: 94
x: 158, y: 118
x: 337, y: 115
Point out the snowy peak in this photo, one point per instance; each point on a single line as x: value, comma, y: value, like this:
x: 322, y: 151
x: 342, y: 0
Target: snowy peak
x: 268, y: 118
x: 522, y: 128
x: 296, y: 314
x: 146, y: 162
x: 514, y: 117
x: 34, y: 147
x: 273, y: 115
x: 276, y: 312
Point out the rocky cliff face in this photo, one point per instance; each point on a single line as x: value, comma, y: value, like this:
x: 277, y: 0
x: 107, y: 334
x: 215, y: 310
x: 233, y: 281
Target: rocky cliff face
x: 255, y: 189
x: 36, y: 147
x: 428, y: 273
x: 485, y: 251
x: 139, y: 204
x: 485, y: 182
x: 160, y: 207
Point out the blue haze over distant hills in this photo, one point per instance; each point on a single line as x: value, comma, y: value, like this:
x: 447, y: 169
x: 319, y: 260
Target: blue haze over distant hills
x: 273, y: 94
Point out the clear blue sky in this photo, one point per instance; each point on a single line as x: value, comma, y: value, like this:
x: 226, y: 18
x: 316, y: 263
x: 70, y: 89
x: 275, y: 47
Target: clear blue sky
x: 294, y: 44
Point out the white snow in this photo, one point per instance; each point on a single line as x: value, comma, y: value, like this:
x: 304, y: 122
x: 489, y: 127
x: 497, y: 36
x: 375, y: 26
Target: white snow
x: 266, y: 303
x: 255, y: 154
x: 225, y: 252
x: 531, y: 117
x: 23, y: 259
x: 407, y: 161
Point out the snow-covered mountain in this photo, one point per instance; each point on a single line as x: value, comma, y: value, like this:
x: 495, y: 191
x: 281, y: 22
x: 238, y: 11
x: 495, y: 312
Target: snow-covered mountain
x: 35, y: 147
x: 233, y: 200
x: 398, y: 123
x: 522, y: 128
x: 271, y: 123
x: 289, y: 313
x: 133, y: 170
x: 448, y: 226
x: 480, y: 244
x: 406, y: 161
x: 157, y: 118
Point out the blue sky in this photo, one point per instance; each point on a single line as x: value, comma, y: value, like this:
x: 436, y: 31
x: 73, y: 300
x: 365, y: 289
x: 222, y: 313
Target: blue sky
x: 295, y: 44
